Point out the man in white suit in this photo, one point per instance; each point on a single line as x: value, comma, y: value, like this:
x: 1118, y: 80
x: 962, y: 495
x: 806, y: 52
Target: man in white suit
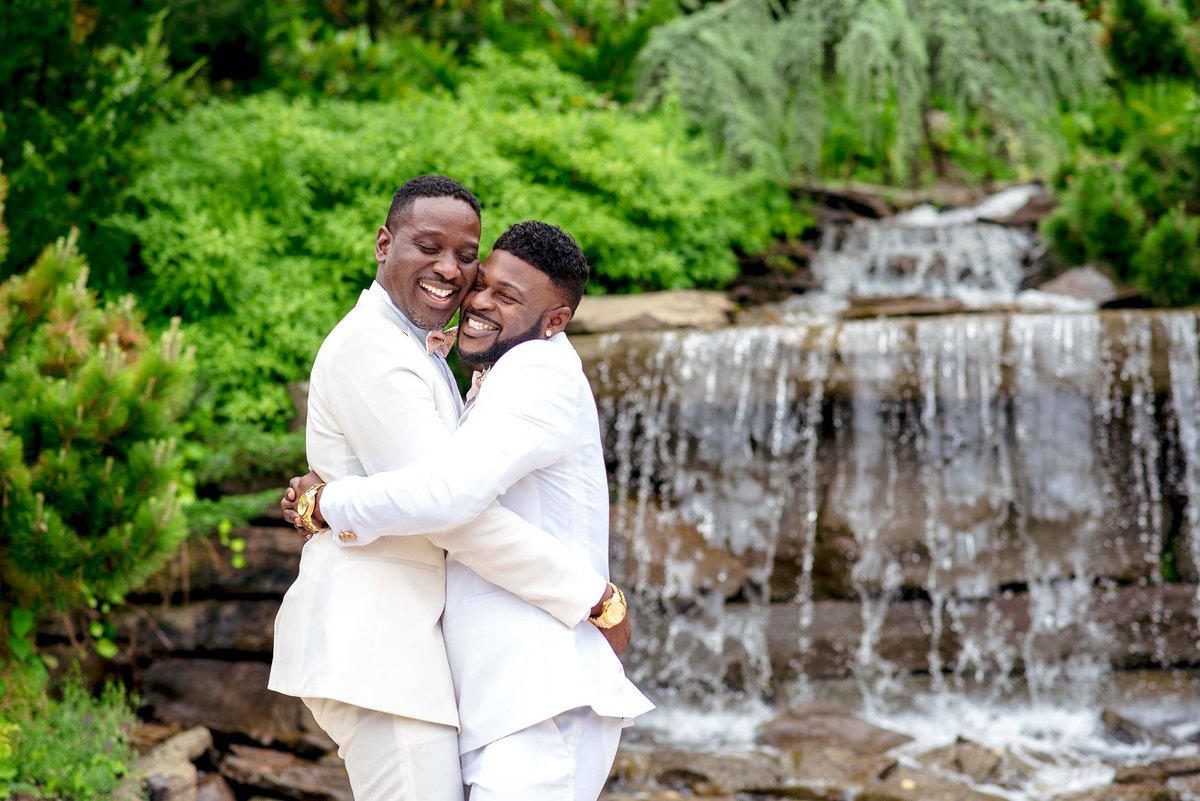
x: 541, y: 706
x: 358, y: 635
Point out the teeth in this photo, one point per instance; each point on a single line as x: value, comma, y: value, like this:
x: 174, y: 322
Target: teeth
x: 479, y: 325
x: 436, y: 291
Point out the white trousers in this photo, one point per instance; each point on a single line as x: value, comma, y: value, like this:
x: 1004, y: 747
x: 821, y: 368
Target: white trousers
x: 390, y: 758
x: 566, y: 758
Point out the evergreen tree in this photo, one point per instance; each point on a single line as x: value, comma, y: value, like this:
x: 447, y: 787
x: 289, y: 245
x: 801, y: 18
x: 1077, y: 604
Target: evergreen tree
x: 90, y: 482
x: 763, y: 77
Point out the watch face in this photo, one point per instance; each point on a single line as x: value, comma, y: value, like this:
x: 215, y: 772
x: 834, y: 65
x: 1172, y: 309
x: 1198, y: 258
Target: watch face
x: 614, y: 614
x: 302, y: 505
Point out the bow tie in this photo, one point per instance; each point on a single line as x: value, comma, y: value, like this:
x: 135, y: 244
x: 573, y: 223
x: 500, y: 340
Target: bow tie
x: 476, y: 382
x: 437, y: 341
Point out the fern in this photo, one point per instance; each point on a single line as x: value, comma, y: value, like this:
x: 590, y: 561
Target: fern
x: 759, y: 77
x: 749, y: 75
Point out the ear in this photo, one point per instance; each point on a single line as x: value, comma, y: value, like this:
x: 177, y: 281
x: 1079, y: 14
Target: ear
x: 383, y: 243
x: 556, y: 321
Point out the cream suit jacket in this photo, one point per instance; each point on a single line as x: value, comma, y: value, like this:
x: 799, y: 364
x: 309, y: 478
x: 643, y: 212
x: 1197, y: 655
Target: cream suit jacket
x: 363, y: 625
x: 531, y: 437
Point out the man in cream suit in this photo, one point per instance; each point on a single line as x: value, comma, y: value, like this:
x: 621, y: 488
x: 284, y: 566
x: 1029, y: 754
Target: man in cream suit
x: 358, y: 635
x: 541, y: 706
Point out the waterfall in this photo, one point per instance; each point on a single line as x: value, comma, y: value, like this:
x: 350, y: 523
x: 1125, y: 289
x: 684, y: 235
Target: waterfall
x: 973, y: 497
x: 952, y: 254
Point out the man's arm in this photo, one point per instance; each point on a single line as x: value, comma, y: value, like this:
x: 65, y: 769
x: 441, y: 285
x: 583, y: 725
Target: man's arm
x: 390, y: 419
x: 522, y: 420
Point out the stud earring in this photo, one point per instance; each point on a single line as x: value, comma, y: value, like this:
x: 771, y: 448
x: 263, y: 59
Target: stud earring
x: 548, y: 334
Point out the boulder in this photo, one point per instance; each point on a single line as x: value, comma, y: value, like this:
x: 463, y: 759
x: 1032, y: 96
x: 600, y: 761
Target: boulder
x: 858, y: 201
x: 284, y: 775
x: 1123, y: 730
x: 231, y: 698
x: 213, y: 787
x: 169, y: 769
x: 204, y: 567
x: 1036, y: 208
x: 1084, y: 283
x: 1125, y: 792
x: 978, y: 763
x: 827, y: 726
x: 245, y: 626
x: 835, y: 772
x: 693, y: 772
x: 906, y: 784
x: 652, y: 311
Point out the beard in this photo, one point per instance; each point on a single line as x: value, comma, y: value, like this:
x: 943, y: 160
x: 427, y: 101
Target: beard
x: 498, y: 348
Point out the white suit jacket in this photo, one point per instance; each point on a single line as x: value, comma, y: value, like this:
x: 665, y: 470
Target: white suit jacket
x: 532, y: 437
x: 363, y: 625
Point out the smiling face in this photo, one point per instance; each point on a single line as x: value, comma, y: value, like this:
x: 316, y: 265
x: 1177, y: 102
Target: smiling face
x: 511, y: 302
x: 429, y: 263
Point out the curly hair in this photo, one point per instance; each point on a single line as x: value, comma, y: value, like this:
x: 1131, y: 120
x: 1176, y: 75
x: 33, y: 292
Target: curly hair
x: 426, y: 186
x: 551, y: 250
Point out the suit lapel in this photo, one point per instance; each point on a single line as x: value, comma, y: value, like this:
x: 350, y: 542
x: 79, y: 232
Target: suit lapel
x: 449, y: 402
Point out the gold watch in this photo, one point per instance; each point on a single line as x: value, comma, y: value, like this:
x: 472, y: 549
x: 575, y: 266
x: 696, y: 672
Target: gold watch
x: 306, y: 504
x: 612, y: 611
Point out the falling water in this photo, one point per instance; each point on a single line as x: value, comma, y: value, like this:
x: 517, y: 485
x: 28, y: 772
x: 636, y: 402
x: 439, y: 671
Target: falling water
x: 979, y: 498
x: 1007, y: 504
x: 923, y: 252
x: 1185, y: 397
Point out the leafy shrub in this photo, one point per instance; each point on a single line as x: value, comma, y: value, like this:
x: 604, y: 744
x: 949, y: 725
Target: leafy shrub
x: 1167, y: 265
x: 598, y: 40
x: 1099, y: 219
x: 313, y: 59
x: 75, y: 747
x: 1149, y: 38
x: 89, y: 473
x: 1130, y: 198
x: 763, y: 78
x: 71, y: 116
x: 261, y: 240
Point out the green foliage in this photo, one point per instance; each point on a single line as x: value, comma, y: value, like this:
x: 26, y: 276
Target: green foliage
x: 3, y: 228
x: 89, y: 494
x: 1099, y: 219
x: 72, y: 114
x: 1130, y: 197
x: 285, y: 212
x: 765, y: 80
x: 598, y: 40
x: 1150, y: 38
x: 8, y: 762
x: 1168, y: 263
x: 75, y: 747
x: 354, y: 64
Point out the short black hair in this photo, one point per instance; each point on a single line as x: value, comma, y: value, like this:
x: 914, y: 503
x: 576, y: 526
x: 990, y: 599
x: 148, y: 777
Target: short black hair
x: 427, y: 186
x: 551, y: 250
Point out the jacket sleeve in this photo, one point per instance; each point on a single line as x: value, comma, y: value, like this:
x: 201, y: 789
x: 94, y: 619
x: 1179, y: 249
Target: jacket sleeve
x: 390, y: 419
x: 522, y: 420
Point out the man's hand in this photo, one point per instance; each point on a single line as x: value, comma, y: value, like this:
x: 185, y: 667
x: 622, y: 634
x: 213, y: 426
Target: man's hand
x: 296, y: 488
x: 618, y: 636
